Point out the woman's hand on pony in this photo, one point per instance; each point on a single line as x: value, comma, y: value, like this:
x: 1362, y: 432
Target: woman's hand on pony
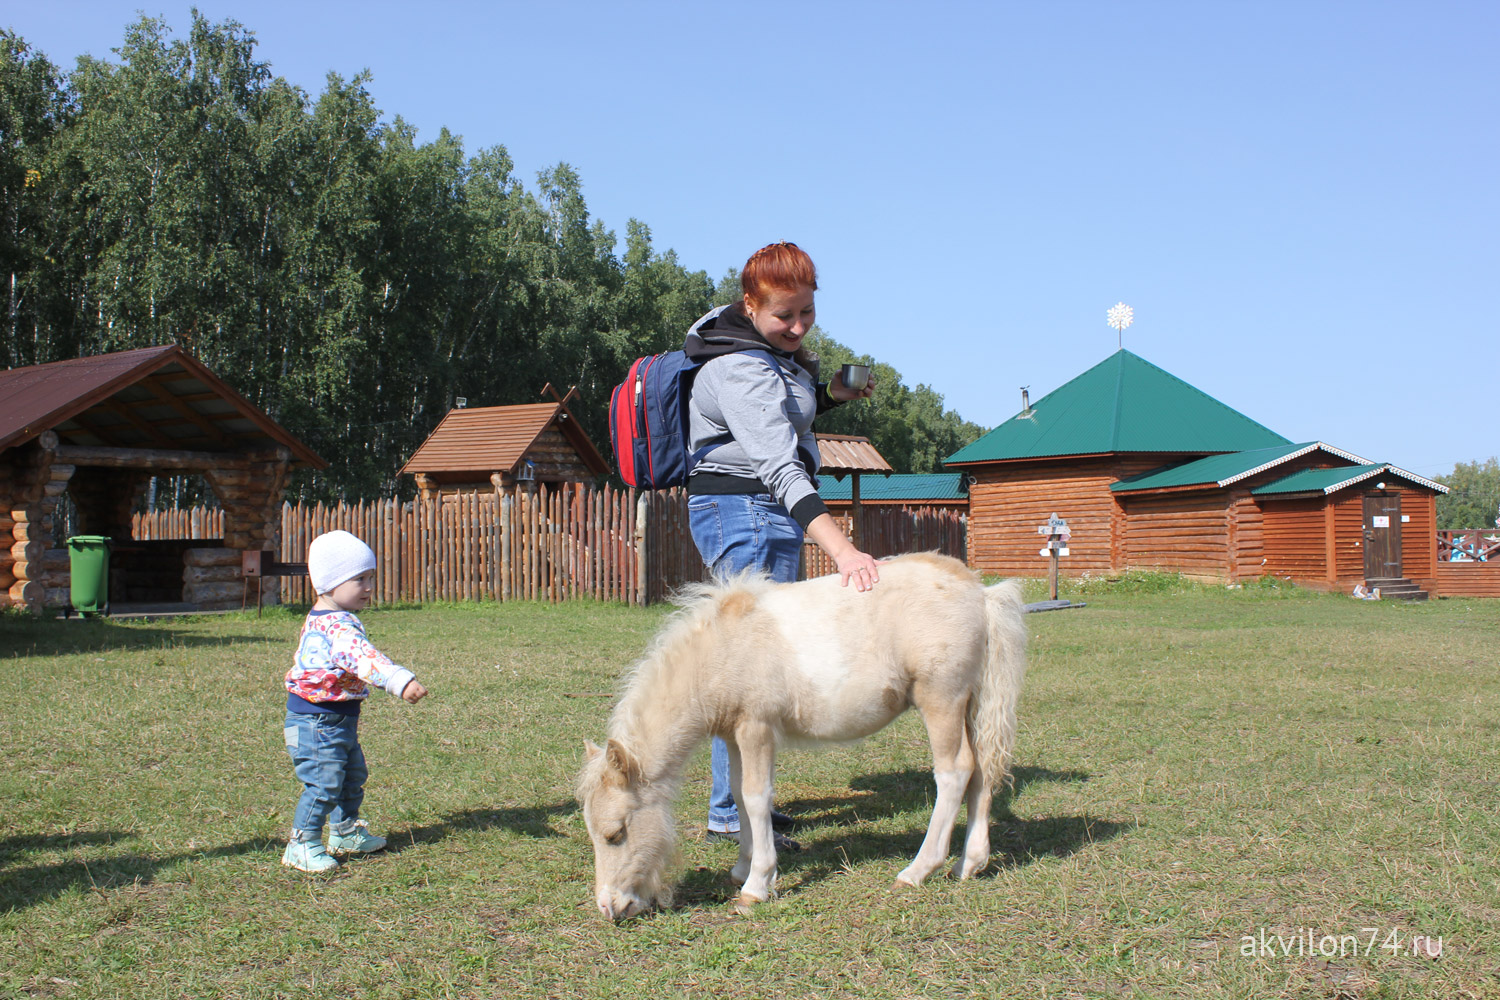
x: 851, y: 562
x: 859, y: 567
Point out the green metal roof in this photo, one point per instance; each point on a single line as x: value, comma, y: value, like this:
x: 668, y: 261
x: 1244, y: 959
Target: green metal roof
x: 901, y: 486
x: 1332, y: 480
x: 1122, y: 404
x: 1221, y: 470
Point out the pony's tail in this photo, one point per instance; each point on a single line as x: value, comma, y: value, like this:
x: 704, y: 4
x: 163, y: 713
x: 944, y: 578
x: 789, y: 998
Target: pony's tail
x: 992, y: 712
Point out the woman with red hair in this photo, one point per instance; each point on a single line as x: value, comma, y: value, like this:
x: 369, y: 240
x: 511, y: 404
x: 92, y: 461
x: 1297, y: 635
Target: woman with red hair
x: 753, y: 489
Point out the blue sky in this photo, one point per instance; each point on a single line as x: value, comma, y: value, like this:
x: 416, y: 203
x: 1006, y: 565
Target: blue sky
x: 1297, y: 199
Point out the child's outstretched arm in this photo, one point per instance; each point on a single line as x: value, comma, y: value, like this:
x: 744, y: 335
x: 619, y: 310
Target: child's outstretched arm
x: 353, y: 652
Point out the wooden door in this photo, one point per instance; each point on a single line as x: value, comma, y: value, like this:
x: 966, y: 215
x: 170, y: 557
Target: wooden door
x: 1382, y: 536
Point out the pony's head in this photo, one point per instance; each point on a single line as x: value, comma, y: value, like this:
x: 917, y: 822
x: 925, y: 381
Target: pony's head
x: 630, y: 822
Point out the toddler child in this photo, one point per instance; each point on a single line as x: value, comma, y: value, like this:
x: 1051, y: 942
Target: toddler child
x: 328, y: 682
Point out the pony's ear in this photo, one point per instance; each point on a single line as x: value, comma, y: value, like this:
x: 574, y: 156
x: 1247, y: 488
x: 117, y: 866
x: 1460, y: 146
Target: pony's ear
x: 621, y: 760
x: 591, y: 750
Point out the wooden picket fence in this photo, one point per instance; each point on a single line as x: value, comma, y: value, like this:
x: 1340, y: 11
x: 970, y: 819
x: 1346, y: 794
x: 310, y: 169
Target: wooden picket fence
x: 553, y: 545
x: 181, y: 523
x: 891, y: 531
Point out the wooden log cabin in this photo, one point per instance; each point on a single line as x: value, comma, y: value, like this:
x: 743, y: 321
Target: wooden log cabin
x: 97, y: 429
x: 1153, y: 474
x: 496, y: 448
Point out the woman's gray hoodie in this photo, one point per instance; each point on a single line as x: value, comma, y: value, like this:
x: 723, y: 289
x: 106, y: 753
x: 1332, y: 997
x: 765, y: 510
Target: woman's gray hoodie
x: 751, y: 413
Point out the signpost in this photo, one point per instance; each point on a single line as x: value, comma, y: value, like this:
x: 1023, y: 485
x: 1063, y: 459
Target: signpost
x: 1056, y: 530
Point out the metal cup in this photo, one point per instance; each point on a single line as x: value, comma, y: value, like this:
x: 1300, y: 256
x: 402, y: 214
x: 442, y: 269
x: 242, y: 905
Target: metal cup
x: 855, y: 377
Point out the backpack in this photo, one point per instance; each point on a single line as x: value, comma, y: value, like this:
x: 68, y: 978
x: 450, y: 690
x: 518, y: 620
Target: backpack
x: 648, y: 420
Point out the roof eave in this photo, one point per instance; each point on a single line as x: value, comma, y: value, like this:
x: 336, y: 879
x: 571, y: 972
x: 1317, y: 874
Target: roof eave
x: 169, y: 354
x: 79, y: 404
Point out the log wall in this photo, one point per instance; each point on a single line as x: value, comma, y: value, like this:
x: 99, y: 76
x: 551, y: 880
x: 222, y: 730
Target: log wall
x: 33, y: 482
x: 1295, y: 539
x: 1187, y: 533
x: 1009, y: 501
x: 1247, y: 545
x: 1212, y: 533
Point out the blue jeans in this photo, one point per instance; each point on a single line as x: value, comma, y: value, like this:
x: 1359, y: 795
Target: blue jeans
x: 735, y: 533
x: 331, y: 766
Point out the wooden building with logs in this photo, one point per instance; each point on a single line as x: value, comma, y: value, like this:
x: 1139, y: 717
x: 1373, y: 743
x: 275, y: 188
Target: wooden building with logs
x: 97, y: 429
x: 1152, y: 473
x: 496, y: 448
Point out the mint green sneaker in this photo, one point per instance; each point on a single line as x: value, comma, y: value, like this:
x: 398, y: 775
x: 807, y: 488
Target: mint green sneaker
x: 308, y: 856
x: 359, y: 840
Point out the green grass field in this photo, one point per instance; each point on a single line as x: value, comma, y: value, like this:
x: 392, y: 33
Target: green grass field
x: 1248, y: 793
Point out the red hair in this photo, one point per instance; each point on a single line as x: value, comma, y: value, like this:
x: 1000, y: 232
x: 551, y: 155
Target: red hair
x: 781, y: 266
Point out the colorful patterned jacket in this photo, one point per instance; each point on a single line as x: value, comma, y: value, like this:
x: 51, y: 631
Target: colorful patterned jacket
x: 336, y: 663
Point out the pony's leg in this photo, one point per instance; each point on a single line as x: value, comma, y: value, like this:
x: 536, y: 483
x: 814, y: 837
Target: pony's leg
x: 753, y: 792
x: 977, y: 839
x: 953, y: 763
x: 741, y: 869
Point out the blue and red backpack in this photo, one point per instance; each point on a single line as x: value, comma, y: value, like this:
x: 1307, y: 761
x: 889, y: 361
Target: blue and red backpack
x: 648, y: 421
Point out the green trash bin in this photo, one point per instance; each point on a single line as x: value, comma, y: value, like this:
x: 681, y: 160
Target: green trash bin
x: 88, y: 562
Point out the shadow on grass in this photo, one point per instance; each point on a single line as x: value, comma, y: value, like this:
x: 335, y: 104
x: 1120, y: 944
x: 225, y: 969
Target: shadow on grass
x: 531, y: 821
x: 899, y: 791
x: 49, y: 638
x: 1014, y: 842
x: 21, y: 887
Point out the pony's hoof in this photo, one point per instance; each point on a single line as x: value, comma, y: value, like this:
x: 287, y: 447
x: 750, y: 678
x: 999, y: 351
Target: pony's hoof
x: 743, y: 905
x: 902, y: 884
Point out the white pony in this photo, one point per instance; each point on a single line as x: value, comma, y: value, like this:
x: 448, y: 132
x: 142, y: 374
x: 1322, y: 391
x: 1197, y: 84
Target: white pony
x: 758, y: 663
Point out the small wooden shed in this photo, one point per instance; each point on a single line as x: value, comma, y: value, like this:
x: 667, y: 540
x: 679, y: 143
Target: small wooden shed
x: 98, y: 428
x: 494, y: 448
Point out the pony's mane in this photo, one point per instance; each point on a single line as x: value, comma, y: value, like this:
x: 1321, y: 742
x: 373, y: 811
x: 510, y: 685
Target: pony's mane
x: 697, y: 603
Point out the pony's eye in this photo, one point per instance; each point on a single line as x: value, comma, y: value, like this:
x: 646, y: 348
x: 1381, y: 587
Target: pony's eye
x: 616, y: 838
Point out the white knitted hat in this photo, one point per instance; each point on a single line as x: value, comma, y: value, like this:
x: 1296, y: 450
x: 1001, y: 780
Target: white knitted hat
x: 335, y: 557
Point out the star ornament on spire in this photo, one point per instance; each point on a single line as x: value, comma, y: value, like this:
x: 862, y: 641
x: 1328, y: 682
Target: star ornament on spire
x: 1120, y: 316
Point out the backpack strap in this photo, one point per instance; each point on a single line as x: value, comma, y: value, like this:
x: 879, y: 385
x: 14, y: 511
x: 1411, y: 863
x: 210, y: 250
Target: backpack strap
x: 694, y: 457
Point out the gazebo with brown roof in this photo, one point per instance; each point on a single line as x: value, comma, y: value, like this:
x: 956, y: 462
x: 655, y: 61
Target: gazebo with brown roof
x: 851, y: 455
x: 495, y: 447
x: 98, y: 428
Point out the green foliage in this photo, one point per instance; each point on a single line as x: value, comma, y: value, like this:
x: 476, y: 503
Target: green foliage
x: 908, y: 426
x: 1473, y: 500
x: 346, y: 278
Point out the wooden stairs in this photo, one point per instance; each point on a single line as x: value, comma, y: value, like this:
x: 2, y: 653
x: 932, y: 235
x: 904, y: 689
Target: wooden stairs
x: 1396, y: 589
